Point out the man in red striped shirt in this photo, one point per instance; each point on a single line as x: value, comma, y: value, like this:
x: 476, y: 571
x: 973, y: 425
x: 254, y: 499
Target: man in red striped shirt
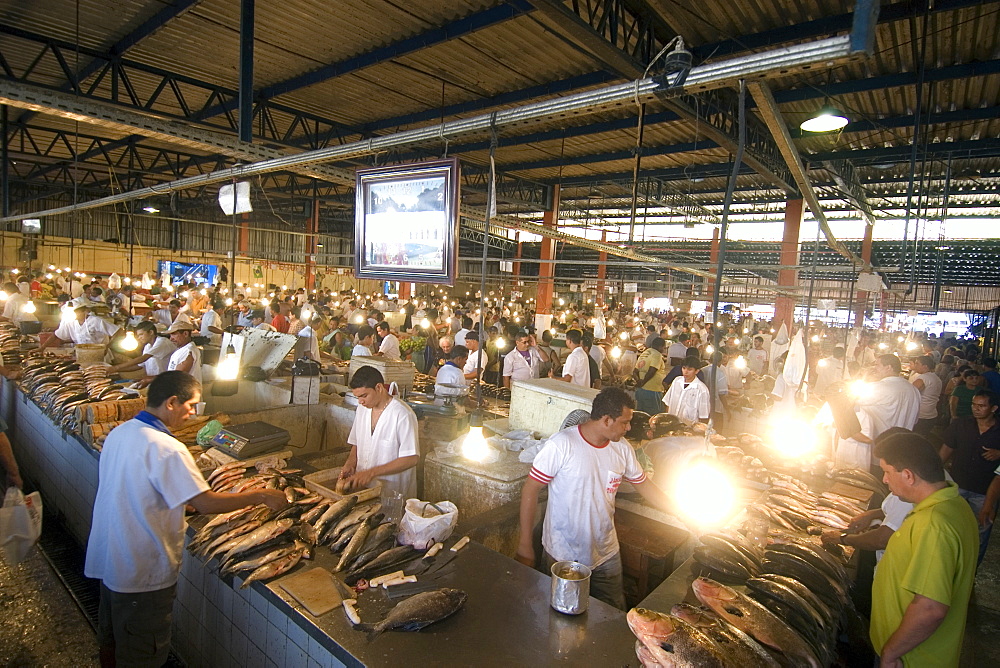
x: 583, y: 466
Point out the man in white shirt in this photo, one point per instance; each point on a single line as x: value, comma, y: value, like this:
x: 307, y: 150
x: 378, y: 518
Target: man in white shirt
x: 83, y: 328
x: 688, y: 398
x: 13, y: 308
x: 170, y: 315
x: 365, y: 338
x: 524, y: 362
x: 890, y: 402
x: 924, y: 379
x: 678, y: 349
x: 598, y: 354
x: 187, y: 357
x: 389, y: 348
x: 473, y: 368
x: 576, y: 368
x: 155, y: 357
x: 466, y: 328
x: 383, y: 438
x: 211, y: 323
x: 257, y: 322
x: 582, y: 466
x: 829, y: 370
x: 147, y: 477
x: 757, y: 357
x: 451, y: 372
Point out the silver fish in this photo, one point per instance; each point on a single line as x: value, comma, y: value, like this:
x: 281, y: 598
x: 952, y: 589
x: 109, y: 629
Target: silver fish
x: 416, y: 612
x: 259, y: 535
x: 274, y: 568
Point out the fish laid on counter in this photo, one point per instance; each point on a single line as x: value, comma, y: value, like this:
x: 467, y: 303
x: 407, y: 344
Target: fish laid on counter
x: 671, y: 641
x: 418, y: 611
x: 740, y: 649
x: 755, y: 620
x: 256, y: 558
x: 386, y: 562
x: 276, y: 567
x: 353, y: 548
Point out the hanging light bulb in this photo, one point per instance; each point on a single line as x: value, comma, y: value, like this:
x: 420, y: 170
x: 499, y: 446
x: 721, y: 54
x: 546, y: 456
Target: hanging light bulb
x: 265, y: 301
x: 48, y: 276
x: 3, y: 296
x: 623, y: 336
x: 425, y: 323
x: 827, y: 119
x: 704, y: 494
x: 229, y: 365
x: 475, y: 447
x: 29, y: 307
x: 500, y: 342
x: 229, y: 301
x: 740, y: 363
x: 710, y: 349
x: 616, y: 352
x: 129, y: 343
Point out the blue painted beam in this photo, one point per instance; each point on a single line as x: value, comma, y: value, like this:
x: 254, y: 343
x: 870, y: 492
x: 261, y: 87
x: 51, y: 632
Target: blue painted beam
x: 144, y: 30
x: 828, y: 25
x: 464, y: 26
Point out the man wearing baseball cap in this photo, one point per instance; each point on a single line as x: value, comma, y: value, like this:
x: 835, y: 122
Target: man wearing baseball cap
x: 187, y: 357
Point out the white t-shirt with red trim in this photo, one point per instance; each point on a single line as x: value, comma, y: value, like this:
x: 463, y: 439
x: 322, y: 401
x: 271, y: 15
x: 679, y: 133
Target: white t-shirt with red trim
x: 583, y: 480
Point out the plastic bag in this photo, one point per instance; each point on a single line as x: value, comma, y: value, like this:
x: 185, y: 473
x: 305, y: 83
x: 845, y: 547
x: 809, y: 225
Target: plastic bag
x: 423, y: 524
x: 20, y: 524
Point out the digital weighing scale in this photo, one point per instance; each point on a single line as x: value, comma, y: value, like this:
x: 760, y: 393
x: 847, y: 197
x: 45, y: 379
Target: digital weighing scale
x: 250, y: 439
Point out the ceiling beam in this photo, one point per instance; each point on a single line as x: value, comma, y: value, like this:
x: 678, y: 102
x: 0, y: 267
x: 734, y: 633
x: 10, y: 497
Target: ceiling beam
x: 467, y: 25
x: 768, y: 108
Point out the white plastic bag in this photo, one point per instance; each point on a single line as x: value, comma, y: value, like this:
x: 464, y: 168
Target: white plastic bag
x: 20, y: 524
x: 423, y: 524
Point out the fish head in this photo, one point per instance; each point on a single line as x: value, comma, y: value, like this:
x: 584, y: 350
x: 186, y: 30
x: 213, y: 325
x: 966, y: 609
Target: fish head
x: 717, y: 596
x: 456, y: 596
x: 649, y: 623
x: 693, y: 615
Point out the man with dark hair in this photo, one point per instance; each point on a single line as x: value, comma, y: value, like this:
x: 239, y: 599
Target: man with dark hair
x: 365, y: 337
x: 476, y: 360
x: 891, y: 402
x: 582, y: 466
x: 389, y: 347
x: 576, y: 368
x: 921, y: 591
x: 650, y: 370
x: 991, y: 376
x: 587, y: 343
x: 688, y: 397
x: 678, y: 349
x: 187, y: 356
x: 960, y: 403
x: 137, y: 536
x: 155, y: 356
x: 524, y: 361
x: 211, y: 322
x: 972, y: 444
x: 451, y: 372
x: 383, y: 438
x: 461, y: 334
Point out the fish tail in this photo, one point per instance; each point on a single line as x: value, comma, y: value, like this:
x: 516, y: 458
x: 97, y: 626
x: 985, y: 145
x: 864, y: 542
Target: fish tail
x: 371, y: 630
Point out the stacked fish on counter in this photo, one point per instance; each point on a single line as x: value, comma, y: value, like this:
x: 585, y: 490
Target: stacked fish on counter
x: 61, y: 387
x: 784, y: 592
x: 10, y: 344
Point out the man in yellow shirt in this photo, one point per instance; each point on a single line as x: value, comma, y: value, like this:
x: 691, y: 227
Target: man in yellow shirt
x: 922, y: 586
x: 650, y: 371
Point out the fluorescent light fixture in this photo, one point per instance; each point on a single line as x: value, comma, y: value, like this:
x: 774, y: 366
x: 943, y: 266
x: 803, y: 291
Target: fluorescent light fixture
x: 827, y: 120
x: 150, y: 209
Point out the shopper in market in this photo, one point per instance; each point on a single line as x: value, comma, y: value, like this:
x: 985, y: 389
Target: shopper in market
x: 891, y: 401
x: 389, y: 346
x: 155, y: 356
x: 972, y: 447
x: 451, y: 373
x: 7, y: 462
x: 383, y: 438
x: 13, y: 308
x: 924, y: 379
x: 187, y: 357
x: 688, y: 397
x: 582, y: 466
x: 921, y: 591
x: 525, y: 361
x: 476, y: 362
x: 650, y: 370
x: 961, y: 397
x: 137, y: 537
x: 365, y: 339
x: 211, y: 322
x: 169, y: 315
x: 576, y: 368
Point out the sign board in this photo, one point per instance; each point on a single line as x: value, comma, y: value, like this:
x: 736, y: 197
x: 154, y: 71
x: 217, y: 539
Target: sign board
x: 573, y: 287
x: 630, y: 287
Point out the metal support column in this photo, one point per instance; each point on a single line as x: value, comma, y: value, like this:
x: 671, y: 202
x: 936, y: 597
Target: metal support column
x: 713, y: 257
x: 602, y: 271
x: 784, y: 307
x: 861, y: 299
x: 311, y: 246
x: 246, y: 69
x: 547, y: 270
x: 5, y: 166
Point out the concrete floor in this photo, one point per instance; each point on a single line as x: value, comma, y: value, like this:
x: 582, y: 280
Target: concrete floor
x: 42, y: 625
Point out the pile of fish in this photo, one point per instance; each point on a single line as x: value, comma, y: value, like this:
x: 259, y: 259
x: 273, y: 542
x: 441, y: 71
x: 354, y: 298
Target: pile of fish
x: 59, y: 386
x: 10, y: 344
x: 791, y: 505
x: 266, y: 544
x: 862, y: 479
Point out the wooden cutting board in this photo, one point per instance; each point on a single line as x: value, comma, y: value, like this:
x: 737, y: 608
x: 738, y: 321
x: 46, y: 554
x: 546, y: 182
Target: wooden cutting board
x: 314, y: 589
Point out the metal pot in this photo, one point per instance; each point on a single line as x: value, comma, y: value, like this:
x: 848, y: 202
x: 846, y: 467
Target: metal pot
x: 570, y: 587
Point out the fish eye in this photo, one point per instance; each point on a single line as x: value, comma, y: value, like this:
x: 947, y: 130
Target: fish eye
x: 667, y: 647
x: 735, y: 611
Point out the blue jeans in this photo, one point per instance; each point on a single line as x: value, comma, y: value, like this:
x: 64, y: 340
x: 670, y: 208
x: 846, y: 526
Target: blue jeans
x: 606, y: 583
x: 976, y: 502
x: 649, y: 401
